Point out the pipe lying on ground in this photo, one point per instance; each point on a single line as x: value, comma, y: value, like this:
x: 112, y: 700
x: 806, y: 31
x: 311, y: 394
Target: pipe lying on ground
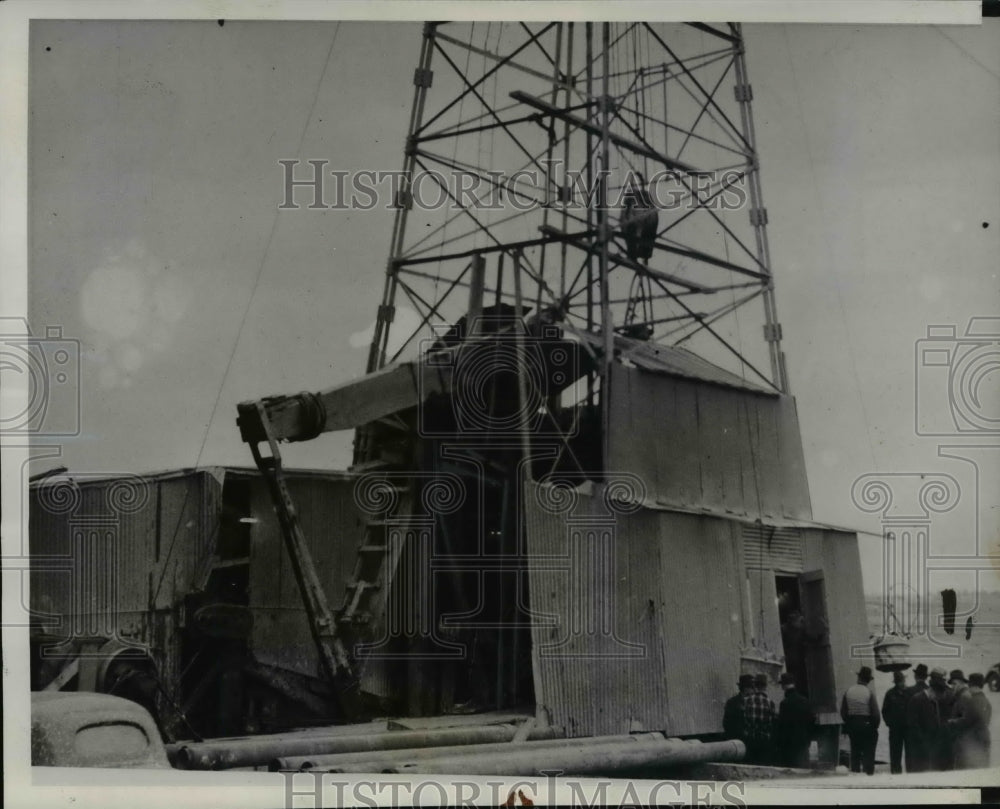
x: 221, y: 755
x: 172, y: 749
x: 317, y: 731
x: 580, y: 760
x: 380, y: 761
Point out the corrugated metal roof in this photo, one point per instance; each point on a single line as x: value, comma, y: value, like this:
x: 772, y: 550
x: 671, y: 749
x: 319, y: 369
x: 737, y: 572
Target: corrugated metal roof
x: 675, y: 361
x: 218, y: 472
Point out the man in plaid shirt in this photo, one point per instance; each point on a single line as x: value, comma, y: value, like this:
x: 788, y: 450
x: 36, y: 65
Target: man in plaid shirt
x: 758, y: 722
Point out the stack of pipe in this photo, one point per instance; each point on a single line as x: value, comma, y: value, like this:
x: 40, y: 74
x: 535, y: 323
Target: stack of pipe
x: 386, y: 760
x: 224, y: 754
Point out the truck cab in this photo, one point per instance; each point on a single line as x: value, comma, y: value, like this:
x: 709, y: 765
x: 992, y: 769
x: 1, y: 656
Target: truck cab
x: 74, y: 729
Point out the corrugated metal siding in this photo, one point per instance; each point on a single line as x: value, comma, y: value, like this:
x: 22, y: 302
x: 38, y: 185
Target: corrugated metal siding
x: 777, y: 549
x: 699, y: 571
x: 98, y: 553
x: 699, y: 445
x: 674, y: 585
x: 49, y: 545
x: 189, y: 509
x: 333, y: 526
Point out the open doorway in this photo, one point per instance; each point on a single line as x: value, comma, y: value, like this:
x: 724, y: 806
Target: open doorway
x: 793, y: 629
x: 805, y: 637
x: 816, y: 636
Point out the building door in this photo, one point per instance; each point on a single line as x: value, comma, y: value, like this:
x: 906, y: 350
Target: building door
x: 818, y: 655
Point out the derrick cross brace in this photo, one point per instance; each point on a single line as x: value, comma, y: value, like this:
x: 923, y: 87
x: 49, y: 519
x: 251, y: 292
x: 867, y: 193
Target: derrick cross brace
x: 333, y: 655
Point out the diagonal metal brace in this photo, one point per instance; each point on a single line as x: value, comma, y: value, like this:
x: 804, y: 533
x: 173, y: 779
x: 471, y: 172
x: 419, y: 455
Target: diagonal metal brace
x: 333, y: 655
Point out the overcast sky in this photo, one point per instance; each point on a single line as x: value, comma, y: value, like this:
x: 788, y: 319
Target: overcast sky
x: 155, y: 237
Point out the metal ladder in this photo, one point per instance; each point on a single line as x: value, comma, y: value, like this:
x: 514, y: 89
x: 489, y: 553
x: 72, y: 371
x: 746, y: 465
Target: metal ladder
x: 382, y: 543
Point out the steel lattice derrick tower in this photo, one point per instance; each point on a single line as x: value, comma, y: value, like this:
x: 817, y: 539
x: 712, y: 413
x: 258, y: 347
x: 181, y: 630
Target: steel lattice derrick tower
x: 528, y: 146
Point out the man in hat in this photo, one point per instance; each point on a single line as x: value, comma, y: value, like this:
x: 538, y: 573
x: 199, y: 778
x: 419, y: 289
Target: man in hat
x: 970, y: 726
x: 794, y: 727
x: 958, y: 684
x: 859, y: 710
x: 929, y: 710
x: 732, y: 714
x: 758, y: 722
x: 912, y: 745
x: 894, y: 716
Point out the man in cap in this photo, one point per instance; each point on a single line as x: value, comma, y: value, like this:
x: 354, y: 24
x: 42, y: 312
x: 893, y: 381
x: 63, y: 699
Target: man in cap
x: 794, y: 727
x: 859, y: 710
x: 958, y: 684
x: 894, y: 716
x: 758, y: 722
x: 929, y: 710
x: 912, y: 743
x: 970, y: 726
x: 732, y: 714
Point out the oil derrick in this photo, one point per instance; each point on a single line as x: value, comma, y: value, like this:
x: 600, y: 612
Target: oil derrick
x: 579, y: 212
x: 541, y: 149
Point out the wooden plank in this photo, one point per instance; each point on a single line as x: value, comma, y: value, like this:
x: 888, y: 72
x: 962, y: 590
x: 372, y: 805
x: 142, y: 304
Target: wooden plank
x: 744, y: 456
x: 766, y: 625
x: 794, y: 486
x: 715, y: 438
x: 680, y: 457
x: 766, y: 460
x: 636, y: 428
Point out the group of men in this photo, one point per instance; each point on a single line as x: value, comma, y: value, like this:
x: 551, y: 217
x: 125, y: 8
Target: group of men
x: 940, y: 724
x: 775, y: 736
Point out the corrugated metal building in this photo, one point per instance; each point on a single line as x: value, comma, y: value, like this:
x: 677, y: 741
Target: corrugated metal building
x: 689, y: 603
x: 705, y: 549
x: 135, y: 558
x: 632, y: 603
